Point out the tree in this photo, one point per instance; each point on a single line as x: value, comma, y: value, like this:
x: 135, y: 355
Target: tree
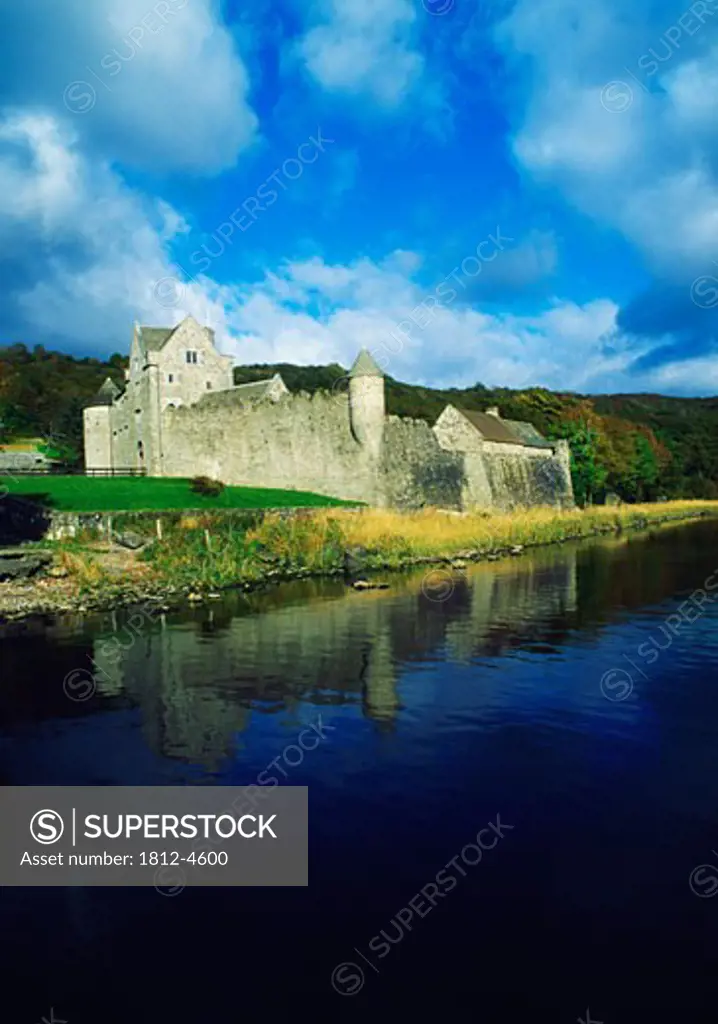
x: 588, y: 472
x: 647, y: 468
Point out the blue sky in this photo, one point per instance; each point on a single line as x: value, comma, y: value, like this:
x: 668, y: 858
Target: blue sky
x: 515, y: 192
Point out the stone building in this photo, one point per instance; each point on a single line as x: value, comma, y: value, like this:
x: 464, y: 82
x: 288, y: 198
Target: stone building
x: 180, y: 415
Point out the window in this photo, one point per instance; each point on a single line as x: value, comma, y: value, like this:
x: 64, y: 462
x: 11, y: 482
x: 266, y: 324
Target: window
x: 209, y: 385
x: 170, y: 378
x: 192, y: 357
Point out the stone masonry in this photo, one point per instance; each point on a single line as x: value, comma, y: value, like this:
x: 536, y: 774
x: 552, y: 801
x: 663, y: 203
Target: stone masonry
x: 179, y: 415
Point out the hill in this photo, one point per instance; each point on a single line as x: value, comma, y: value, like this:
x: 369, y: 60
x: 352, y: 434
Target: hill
x: 43, y: 393
x: 638, y: 446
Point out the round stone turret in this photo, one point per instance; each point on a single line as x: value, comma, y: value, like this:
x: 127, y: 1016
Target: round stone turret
x: 97, y: 425
x: 366, y: 402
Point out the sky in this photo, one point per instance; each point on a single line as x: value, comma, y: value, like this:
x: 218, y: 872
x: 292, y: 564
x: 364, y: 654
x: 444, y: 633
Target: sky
x: 511, y: 192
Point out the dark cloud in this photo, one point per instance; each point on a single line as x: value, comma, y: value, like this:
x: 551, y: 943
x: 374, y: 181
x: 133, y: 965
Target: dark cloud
x: 672, y: 316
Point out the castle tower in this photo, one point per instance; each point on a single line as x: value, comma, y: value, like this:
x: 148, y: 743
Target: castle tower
x: 97, y: 427
x: 366, y: 402
x: 562, y: 454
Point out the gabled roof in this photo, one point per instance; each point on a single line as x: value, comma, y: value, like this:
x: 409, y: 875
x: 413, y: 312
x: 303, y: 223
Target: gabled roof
x: 491, y: 428
x: 155, y: 338
x: 528, y: 433
x: 256, y: 388
x: 106, y: 394
x: 364, y: 366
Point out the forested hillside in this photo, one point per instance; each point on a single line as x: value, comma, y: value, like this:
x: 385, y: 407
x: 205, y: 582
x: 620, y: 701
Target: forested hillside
x: 42, y: 394
x: 638, y: 446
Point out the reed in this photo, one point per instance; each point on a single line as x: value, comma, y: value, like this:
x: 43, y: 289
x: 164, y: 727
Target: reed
x: 83, y: 568
x: 316, y: 543
x: 436, y: 532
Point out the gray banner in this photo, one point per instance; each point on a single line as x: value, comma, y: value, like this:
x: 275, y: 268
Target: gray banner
x: 162, y: 836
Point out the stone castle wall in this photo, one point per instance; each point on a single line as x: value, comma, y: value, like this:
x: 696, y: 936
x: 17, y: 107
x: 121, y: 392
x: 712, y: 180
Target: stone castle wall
x: 415, y: 470
x: 534, y: 477
x: 305, y: 442
x: 179, y: 416
x: 98, y: 436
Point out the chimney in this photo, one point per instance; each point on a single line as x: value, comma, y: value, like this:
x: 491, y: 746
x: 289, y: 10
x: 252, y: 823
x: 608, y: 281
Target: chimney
x: 494, y: 411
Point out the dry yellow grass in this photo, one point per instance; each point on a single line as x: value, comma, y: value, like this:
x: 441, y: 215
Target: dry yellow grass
x: 432, y: 531
x: 83, y: 568
x: 189, y: 523
x: 318, y: 542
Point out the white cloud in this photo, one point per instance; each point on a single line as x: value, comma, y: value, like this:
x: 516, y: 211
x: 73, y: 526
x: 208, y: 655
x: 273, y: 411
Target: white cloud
x: 364, y: 49
x: 87, y: 247
x: 154, y: 83
x: 92, y: 252
x: 692, y: 88
x: 49, y: 193
x: 632, y: 156
x: 369, y: 304
x: 682, y: 378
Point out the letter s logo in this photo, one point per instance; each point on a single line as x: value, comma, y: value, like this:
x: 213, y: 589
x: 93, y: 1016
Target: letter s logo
x: 46, y: 827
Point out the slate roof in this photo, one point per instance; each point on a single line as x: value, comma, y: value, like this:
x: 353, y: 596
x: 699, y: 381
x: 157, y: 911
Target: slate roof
x: 106, y: 394
x: 364, y: 366
x: 529, y: 434
x: 254, y: 388
x: 155, y: 338
x: 492, y: 428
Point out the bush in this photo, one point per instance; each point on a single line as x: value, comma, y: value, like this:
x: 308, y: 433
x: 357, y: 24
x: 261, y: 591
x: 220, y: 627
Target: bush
x: 207, y: 487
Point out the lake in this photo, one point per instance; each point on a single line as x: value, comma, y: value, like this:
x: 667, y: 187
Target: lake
x: 562, y: 705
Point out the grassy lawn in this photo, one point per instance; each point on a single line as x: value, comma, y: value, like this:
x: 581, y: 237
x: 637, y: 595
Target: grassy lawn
x: 120, y: 494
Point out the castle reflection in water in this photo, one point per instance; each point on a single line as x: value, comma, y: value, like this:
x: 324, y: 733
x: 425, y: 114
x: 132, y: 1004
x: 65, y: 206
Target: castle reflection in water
x: 200, y: 676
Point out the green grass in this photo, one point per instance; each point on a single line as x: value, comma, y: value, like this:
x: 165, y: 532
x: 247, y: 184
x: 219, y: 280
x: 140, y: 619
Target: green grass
x: 315, y: 544
x: 118, y: 494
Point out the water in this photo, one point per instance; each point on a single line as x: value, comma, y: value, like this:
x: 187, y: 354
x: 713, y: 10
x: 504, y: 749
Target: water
x: 523, y: 690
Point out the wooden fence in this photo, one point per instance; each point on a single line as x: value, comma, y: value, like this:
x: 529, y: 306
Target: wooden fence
x: 68, y: 471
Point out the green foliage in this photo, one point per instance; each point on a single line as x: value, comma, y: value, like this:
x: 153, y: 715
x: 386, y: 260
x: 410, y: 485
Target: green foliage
x: 645, y: 469
x: 61, y: 451
x: 588, y: 471
x: 276, y: 546
x: 297, y: 378
x: 271, y: 548
x: 42, y: 394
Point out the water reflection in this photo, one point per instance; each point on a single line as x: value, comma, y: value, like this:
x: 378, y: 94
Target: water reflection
x: 200, y: 677
x: 442, y: 713
x: 198, y: 682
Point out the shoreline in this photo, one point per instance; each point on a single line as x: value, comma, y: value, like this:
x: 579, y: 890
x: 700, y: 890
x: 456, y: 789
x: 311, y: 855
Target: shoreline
x: 91, y: 577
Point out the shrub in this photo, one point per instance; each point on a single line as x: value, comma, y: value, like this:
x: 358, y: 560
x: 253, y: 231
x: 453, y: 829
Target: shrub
x: 207, y: 487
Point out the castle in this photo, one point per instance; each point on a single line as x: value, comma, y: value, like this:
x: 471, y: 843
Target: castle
x: 180, y: 415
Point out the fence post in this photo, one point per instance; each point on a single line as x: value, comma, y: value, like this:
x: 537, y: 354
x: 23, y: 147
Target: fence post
x: 158, y: 524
